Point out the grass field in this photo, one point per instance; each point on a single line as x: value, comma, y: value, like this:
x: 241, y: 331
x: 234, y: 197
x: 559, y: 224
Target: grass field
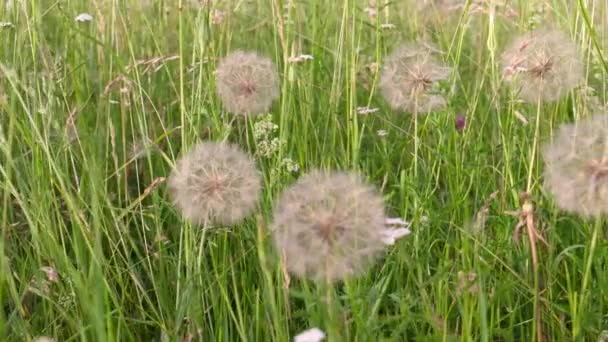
x: 94, y: 114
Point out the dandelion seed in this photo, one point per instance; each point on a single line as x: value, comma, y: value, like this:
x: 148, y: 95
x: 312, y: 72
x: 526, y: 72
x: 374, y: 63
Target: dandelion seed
x: 310, y: 335
x: 215, y: 183
x: 83, y: 17
x: 542, y: 65
x: 329, y: 226
x: 247, y: 83
x: 410, y: 78
x: 576, y: 166
x: 366, y: 110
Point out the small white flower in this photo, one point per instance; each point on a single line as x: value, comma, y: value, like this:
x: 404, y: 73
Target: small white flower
x: 387, y: 26
x: 300, y: 58
x: 389, y: 236
x: 381, y: 133
x: 83, y: 17
x: 396, y: 221
x: 290, y: 165
x: 4, y: 24
x: 396, y: 228
x: 366, y: 110
x: 310, y: 335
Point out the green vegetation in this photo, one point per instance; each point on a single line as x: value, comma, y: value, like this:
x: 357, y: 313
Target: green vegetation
x: 93, y: 115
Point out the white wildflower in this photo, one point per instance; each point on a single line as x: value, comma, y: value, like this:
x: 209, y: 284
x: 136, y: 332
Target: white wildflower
x: 4, y: 24
x: 396, y: 228
x: 300, y: 58
x: 366, y: 110
x: 387, y: 26
x: 289, y: 165
x: 264, y: 128
x: 389, y: 236
x: 83, y: 17
x: 381, y: 133
x: 310, y: 335
x: 267, y: 148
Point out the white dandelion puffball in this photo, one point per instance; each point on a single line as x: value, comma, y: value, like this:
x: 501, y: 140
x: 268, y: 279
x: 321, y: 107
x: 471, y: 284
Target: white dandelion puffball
x: 247, y: 83
x: 329, y: 226
x: 215, y: 183
x: 576, y: 166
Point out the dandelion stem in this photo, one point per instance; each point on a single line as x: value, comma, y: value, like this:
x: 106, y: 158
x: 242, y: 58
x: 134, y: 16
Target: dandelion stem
x: 530, y: 227
x: 576, y: 327
x: 534, y: 146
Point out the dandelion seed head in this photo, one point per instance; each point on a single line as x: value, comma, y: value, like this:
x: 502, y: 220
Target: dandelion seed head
x: 410, y: 77
x: 576, y: 166
x: 329, y: 226
x: 542, y: 65
x: 215, y: 183
x: 247, y: 83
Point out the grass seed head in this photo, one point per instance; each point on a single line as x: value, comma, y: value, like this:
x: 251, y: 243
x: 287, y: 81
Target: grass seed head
x: 576, y: 166
x: 543, y: 65
x: 329, y: 226
x: 409, y: 79
x: 247, y: 83
x: 215, y: 183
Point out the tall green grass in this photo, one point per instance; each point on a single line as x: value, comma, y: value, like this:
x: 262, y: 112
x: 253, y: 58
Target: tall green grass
x: 75, y: 198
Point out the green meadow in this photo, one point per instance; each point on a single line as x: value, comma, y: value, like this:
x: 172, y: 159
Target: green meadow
x: 96, y: 111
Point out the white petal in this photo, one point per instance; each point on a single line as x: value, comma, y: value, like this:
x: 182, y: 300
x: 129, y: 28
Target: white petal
x: 395, y: 221
x: 310, y: 335
x: 389, y: 236
x: 83, y: 17
x: 366, y: 110
x: 305, y: 57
